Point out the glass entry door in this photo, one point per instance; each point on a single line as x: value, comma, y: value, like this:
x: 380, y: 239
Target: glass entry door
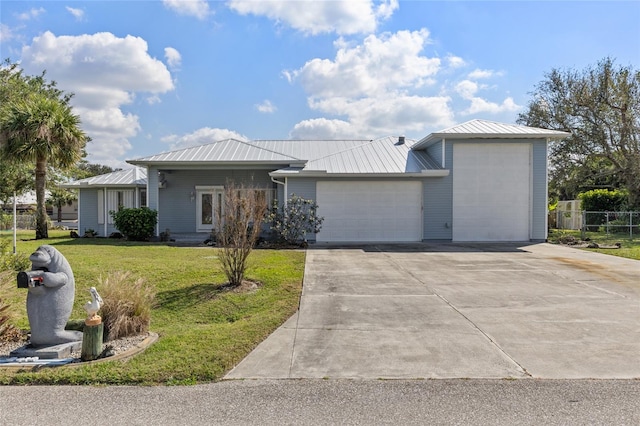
x: 208, y: 207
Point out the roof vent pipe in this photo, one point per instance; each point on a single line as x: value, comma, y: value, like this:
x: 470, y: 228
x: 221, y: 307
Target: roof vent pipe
x: 400, y: 140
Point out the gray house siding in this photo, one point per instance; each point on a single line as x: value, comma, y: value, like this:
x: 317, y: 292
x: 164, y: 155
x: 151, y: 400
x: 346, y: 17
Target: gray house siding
x: 304, y: 187
x: 438, y: 199
x: 435, y: 152
x: 177, y: 198
x: 539, y: 191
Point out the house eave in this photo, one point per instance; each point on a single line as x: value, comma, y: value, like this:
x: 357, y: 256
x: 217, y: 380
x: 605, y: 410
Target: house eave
x: 324, y: 174
x: 437, y: 137
x: 218, y: 165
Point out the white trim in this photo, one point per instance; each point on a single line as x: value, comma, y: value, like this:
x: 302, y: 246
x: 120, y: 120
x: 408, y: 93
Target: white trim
x: 215, y: 191
x: 286, y: 191
x: 444, y: 151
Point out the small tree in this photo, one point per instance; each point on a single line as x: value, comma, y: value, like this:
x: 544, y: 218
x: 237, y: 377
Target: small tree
x: 293, y: 220
x: 137, y: 224
x: 238, y: 226
x: 60, y: 197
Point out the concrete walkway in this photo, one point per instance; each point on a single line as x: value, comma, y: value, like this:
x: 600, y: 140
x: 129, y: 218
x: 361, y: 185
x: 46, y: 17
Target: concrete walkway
x: 458, y: 311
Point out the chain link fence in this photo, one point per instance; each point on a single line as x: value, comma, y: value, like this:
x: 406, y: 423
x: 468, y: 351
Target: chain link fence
x: 610, y: 224
x: 23, y: 221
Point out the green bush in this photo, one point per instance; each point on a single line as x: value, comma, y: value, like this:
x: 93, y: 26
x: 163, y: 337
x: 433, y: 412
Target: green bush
x: 137, y: 224
x: 601, y: 200
x: 12, y: 262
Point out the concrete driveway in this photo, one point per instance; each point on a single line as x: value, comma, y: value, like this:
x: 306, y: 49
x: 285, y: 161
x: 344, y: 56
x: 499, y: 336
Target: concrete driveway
x: 458, y: 311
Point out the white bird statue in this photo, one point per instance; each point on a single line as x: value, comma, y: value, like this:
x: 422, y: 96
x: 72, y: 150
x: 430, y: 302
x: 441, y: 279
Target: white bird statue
x: 93, y: 307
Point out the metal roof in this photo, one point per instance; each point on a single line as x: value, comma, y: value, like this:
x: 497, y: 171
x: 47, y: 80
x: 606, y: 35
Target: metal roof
x: 484, y: 129
x: 380, y: 156
x: 257, y: 151
x: 224, y: 151
x: 136, y: 176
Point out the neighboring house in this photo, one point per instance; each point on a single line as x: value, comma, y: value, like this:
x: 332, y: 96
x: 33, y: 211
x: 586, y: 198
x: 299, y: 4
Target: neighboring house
x: 478, y: 181
x: 98, y: 195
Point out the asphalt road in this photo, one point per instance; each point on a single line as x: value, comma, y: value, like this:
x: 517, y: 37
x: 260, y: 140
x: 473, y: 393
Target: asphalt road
x: 348, y: 402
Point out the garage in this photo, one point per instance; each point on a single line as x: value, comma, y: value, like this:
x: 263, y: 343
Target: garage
x: 370, y: 211
x: 491, y: 192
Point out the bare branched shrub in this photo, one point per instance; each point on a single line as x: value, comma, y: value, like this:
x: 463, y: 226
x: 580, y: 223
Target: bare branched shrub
x: 238, y: 226
x: 127, y: 304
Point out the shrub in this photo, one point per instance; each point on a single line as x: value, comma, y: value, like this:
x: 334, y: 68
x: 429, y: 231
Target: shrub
x: 137, y: 224
x: 127, y: 304
x: 12, y: 262
x: 8, y: 332
x: 601, y: 200
x: 238, y: 228
x: 293, y: 221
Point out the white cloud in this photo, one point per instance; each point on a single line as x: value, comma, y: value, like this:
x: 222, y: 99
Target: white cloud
x: 468, y: 90
x: 322, y: 128
x: 266, y: 107
x: 173, y: 57
x: 105, y: 72
x: 479, y: 105
x: 201, y: 136
x: 478, y: 74
x: 31, y: 13
x: 455, y: 61
x: 77, y: 13
x: 316, y: 17
x: 196, y: 8
x: 5, y: 33
x: 370, y: 89
x: 379, y: 64
x: 392, y: 113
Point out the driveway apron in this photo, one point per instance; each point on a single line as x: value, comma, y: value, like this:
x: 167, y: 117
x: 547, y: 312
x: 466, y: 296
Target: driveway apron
x: 458, y: 311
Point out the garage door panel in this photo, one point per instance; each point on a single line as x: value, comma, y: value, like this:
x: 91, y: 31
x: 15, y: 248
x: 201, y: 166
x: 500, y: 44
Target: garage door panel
x: 491, y: 192
x: 370, y: 211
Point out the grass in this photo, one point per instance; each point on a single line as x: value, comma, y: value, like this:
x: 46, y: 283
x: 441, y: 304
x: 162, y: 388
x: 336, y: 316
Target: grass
x: 204, y: 330
x: 629, y: 248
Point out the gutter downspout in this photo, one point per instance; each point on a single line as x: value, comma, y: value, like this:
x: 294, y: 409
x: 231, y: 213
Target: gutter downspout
x: 106, y: 210
x: 444, y: 149
x: 274, y: 180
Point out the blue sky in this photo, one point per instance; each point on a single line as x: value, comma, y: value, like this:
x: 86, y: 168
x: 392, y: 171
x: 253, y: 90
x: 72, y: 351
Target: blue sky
x: 152, y: 76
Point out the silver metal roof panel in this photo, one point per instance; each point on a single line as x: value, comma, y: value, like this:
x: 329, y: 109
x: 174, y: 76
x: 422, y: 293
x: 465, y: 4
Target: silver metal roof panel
x: 136, y: 176
x: 485, y: 129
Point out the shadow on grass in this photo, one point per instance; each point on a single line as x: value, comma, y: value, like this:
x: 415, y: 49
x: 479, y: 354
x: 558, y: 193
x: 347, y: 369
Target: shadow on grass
x: 188, y: 297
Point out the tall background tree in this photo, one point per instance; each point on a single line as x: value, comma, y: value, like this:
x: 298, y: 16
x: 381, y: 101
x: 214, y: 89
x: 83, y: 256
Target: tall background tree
x: 600, y: 106
x: 37, y: 126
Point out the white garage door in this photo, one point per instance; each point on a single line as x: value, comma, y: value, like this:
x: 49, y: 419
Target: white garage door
x: 372, y: 211
x: 491, y: 192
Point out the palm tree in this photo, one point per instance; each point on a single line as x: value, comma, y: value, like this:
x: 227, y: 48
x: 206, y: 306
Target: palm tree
x: 42, y: 129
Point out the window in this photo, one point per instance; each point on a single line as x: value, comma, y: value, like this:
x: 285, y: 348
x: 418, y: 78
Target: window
x: 117, y: 200
x: 143, y: 198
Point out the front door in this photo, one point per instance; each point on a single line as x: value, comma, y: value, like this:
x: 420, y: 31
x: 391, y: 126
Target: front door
x: 208, y: 207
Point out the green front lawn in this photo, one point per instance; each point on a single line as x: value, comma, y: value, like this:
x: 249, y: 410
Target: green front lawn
x: 629, y: 248
x: 203, y: 330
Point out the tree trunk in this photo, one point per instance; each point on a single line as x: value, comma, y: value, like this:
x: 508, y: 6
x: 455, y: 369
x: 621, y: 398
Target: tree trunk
x: 41, y: 210
x: 59, y: 212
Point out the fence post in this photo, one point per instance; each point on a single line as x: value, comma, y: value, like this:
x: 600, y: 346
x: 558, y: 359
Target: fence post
x: 583, y: 228
x: 630, y: 225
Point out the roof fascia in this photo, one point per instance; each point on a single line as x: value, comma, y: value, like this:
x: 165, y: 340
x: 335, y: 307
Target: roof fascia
x: 437, y: 137
x: 324, y: 174
x: 221, y: 165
